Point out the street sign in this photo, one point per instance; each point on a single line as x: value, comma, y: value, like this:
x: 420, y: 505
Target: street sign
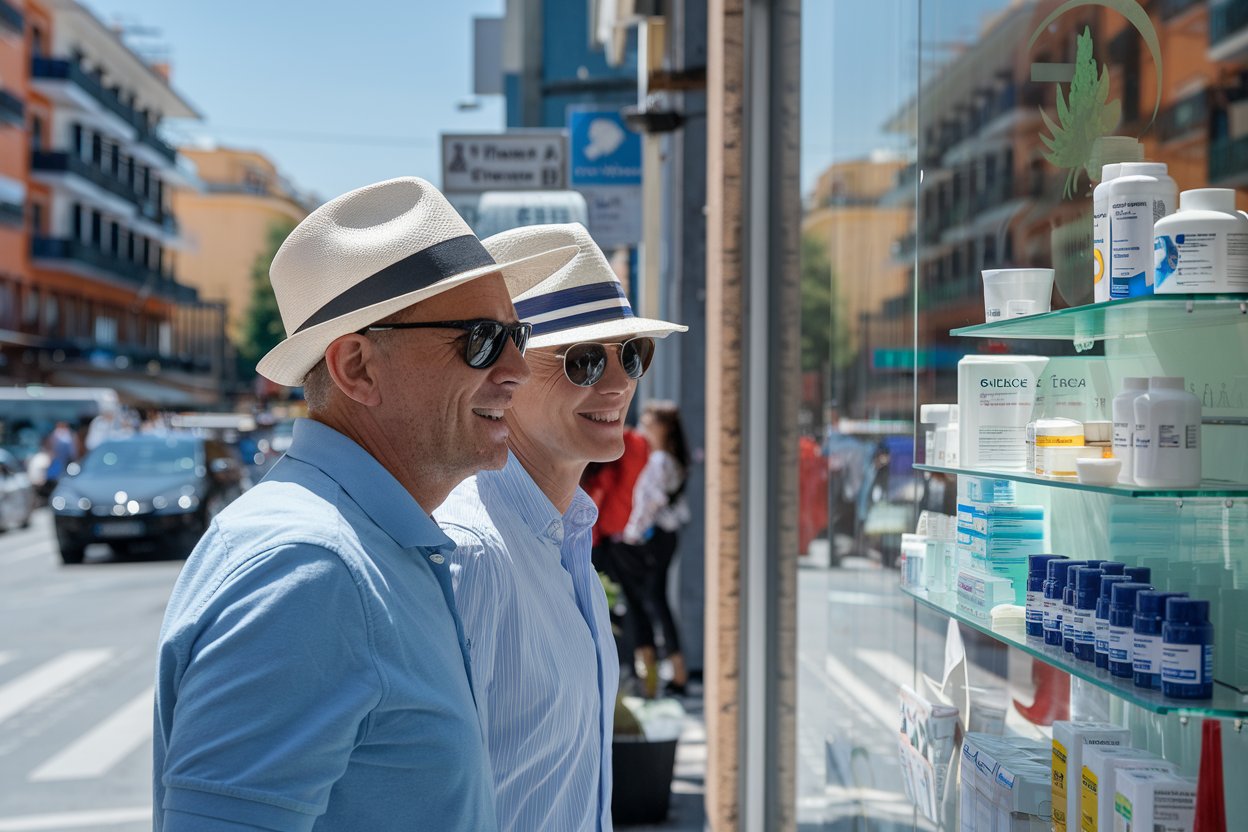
x: 604, y: 150
x: 531, y: 160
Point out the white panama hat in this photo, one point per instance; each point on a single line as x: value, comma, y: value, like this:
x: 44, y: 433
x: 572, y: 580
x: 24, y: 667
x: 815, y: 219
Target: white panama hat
x: 584, y: 300
x: 371, y: 252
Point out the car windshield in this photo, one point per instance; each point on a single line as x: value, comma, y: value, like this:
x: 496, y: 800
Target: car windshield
x: 146, y: 456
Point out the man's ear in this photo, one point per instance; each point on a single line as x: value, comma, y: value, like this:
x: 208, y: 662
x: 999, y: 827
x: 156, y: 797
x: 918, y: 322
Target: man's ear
x: 352, y: 361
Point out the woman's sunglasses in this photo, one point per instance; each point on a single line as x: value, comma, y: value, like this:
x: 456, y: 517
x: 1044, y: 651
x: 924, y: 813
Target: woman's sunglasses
x: 585, y: 364
x: 486, y: 338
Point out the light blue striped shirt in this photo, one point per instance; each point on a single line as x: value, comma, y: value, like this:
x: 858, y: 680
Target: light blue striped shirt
x: 545, y: 668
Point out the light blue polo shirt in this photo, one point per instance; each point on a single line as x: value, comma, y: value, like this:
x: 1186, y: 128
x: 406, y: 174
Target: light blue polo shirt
x: 313, y: 672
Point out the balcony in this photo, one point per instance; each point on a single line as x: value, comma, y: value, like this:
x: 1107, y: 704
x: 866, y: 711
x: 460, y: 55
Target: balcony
x: 12, y: 110
x: 11, y: 18
x: 1228, y: 162
x: 62, y: 162
x: 1228, y: 29
x: 96, y: 260
x: 58, y: 69
x: 1186, y: 116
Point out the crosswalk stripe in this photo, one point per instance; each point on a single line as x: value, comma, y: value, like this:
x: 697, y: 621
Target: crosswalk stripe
x: 29, y: 688
x: 75, y: 820
x: 97, y: 751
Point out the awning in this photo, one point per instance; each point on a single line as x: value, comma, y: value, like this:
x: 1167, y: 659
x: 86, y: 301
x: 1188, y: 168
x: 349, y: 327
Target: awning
x: 140, y: 392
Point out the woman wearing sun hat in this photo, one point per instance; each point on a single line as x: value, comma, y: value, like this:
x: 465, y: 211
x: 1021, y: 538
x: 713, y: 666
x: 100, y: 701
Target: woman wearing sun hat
x: 544, y: 662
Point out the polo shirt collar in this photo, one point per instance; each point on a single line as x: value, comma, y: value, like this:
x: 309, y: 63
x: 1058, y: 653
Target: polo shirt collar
x: 369, y: 484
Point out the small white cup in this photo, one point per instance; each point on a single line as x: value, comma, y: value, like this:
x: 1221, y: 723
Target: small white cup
x: 1098, y: 471
x: 1015, y: 293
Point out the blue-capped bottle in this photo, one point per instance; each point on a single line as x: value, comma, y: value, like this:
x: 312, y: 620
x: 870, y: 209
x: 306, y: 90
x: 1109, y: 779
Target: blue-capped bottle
x: 1121, y: 634
x: 1053, y: 587
x: 1037, y: 577
x: 1087, y: 588
x: 1139, y: 574
x: 1068, y: 604
x: 1101, y: 629
x: 1187, y: 649
x: 1150, y: 607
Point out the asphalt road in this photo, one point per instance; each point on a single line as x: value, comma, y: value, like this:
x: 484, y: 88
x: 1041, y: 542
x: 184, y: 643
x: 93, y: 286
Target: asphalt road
x: 77, y: 659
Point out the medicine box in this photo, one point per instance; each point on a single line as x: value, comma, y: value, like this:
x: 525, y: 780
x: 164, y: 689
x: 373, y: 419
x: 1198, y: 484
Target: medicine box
x: 1069, y: 742
x: 1151, y: 801
x: 1100, y: 771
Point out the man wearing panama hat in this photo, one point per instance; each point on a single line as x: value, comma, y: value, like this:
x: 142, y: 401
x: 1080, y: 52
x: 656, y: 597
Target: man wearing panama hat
x: 544, y: 662
x: 313, y: 673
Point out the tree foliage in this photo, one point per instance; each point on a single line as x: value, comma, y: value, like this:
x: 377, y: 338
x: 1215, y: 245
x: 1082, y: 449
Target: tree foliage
x: 262, y: 327
x: 825, y: 339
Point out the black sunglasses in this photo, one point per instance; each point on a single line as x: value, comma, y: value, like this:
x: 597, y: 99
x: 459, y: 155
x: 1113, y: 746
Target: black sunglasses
x: 486, y: 338
x: 585, y: 364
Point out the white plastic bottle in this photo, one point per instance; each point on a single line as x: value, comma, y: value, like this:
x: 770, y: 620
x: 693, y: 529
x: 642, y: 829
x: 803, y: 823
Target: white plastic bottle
x: 1142, y: 194
x: 1167, y: 435
x: 1203, y: 247
x: 1123, y: 409
x: 1100, y: 233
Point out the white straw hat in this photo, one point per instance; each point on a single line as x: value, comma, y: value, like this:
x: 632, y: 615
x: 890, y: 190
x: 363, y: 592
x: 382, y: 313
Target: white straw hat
x: 584, y: 300
x: 370, y: 253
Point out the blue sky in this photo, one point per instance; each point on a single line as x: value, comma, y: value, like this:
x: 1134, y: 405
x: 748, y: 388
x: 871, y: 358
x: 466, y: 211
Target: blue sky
x: 339, y: 95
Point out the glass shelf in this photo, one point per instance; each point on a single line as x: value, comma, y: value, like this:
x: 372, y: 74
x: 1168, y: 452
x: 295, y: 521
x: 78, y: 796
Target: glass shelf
x: 1226, y: 701
x: 1124, y: 318
x: 1208, y: 488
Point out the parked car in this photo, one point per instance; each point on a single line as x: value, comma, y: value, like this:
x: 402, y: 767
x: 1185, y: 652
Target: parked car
x: 148, y: 492
x: 17, y: 495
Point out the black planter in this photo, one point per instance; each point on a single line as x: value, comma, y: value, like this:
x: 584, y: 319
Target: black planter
x: 641, y: 780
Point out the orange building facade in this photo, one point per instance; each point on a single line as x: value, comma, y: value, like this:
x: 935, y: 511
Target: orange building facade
x: 88, y: 293
x: 227, y: 222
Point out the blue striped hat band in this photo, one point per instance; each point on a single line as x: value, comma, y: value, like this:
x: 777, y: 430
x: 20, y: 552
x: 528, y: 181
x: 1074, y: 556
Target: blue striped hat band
x: 578, y: 306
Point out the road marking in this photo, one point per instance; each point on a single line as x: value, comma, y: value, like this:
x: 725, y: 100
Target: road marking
x: 27, y: 689
x: 97, y: 751
x: 76, y: 820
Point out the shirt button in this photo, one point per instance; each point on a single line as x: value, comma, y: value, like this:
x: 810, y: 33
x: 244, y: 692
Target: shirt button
x: 437, y: 559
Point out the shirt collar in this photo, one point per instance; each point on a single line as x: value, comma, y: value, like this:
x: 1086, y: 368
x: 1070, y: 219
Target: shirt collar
x: 368, y: 483
x: 534, y: 507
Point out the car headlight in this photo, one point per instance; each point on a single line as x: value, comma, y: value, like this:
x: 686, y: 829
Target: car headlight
x: 69, y: 503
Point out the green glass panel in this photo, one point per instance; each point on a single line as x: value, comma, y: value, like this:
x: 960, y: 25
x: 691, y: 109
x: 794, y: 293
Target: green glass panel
x: 1124, y: 318
x: 1208, y: 488
x: 1226, y: 701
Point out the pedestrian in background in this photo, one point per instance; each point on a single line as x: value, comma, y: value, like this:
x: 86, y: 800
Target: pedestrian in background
x: 544, y: 661
x: 659, y: 510
x: 313, y: 673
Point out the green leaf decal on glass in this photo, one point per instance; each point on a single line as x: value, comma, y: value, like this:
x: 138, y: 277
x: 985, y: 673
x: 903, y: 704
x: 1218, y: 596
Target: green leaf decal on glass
x: 1082, y: 117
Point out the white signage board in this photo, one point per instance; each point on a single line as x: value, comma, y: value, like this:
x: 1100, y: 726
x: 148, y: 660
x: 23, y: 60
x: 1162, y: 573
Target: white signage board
x: 614, y: 214
x: 529, y: 160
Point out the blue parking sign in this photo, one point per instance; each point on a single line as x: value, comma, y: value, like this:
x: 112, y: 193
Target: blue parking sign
x: 604, y: 150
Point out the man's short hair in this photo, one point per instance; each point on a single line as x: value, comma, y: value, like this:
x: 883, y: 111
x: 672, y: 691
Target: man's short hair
x: 318, y: 386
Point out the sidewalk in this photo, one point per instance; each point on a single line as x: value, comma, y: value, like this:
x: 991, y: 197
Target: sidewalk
x: 687, y: 812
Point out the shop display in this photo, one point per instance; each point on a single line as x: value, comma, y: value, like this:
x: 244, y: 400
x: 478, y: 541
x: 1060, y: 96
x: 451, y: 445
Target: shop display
x: 1187, y: 649
x: 1167, y: 435
x: 1122, y: 628
x: 1202, y: 247
x: 1014, y: 293
x: 1037, y: 574
x: 1112, y: 151
x: 1142, y: 193
x: 1124, y: 425
x: 1070, y: 739
x: 1087, y: 591
x: 1101, y: 619
x: 1101, y: 765
x: 1154, y: 801
x: 996, y: 395
x: 1146, y: 623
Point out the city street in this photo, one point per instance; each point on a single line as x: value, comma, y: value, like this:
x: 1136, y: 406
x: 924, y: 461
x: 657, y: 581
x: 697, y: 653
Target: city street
x: 77, y: 648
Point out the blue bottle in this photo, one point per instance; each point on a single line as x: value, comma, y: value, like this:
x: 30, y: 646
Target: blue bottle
x: 1037, y: 575
x: 1053, y: 588
x: 1150, y: 607
x: 1068, y: 604
x: 1139, y: 574
x: 1102, y: 618
x: 1112, y: 567
x: 1187, y: 649
x: 1087, y: 588
x: 1121, y: 634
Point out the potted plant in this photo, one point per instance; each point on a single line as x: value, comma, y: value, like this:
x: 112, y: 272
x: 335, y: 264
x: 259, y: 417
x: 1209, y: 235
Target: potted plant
x: 643, y: 750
